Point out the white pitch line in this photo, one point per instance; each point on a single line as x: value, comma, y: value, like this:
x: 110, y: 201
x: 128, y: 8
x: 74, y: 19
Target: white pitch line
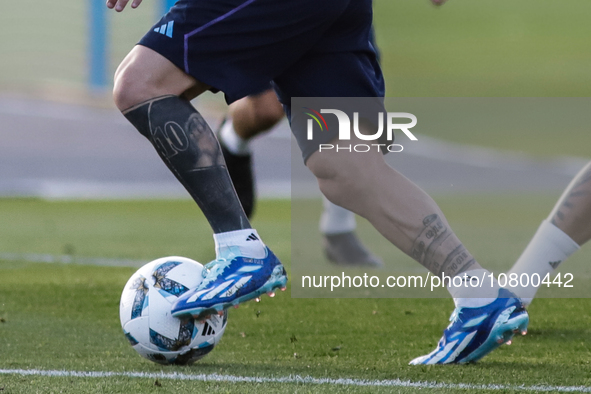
x: 294, y: 379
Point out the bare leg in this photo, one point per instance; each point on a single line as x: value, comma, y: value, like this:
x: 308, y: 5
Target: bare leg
x: 256, y: 114
x: 250, y: 116
x: 412, y: 221
x: 145, y: 74
x: 396, y: 207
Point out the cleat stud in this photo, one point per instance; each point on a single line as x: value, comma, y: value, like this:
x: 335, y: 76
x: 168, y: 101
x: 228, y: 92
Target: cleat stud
x: 524, y: 332
x: 257, y: 299
x: 283, y: 288
x: 509, y: 342
x: 271, y: 294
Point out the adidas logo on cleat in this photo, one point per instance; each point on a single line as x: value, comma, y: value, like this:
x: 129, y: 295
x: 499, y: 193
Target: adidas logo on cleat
x: 207, y: 330
x: 166, y: 29
x: 252, y: 237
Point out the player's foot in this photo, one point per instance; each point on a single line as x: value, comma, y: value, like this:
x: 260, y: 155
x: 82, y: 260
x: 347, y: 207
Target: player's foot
x: 229, y: 282
x: 347, y: 249
x: 240, y: 170
x: 475, y: 332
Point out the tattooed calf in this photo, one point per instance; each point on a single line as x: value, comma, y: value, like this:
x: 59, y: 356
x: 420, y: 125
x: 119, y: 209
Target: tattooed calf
x: 439, y: 250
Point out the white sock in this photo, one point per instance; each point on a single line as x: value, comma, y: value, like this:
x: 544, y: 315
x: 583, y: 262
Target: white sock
x: 549, y: 247
x: 244, y: 243
x: 335, y: 219
x: 467, y: 296
x: 232, y: 141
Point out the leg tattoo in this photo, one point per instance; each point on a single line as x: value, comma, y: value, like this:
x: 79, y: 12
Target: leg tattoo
x: 439, y: 250
x: 189, y: 148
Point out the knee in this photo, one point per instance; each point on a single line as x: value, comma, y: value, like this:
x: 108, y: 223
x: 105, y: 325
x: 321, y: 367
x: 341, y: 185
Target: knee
x: 145, y: 74
x: 267, y: 116
x: 257, y: 113
x: 333, y: 190
x: 130, y: 88
x: 344, y: 178
x: 339, y: 187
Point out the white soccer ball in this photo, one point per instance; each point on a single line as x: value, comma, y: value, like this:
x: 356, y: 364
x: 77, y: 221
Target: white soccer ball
x: 145, y: 313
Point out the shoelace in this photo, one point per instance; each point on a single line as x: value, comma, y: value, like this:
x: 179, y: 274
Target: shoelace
x: 455, y: 315
x: 207, y: 267
x: 215, y: 268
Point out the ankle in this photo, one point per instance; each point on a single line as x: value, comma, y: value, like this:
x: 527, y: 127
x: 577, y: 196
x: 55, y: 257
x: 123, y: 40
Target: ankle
x: 244, y: 243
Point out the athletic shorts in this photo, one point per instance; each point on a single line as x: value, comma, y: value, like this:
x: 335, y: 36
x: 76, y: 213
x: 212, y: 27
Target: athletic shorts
x: 307, y: 48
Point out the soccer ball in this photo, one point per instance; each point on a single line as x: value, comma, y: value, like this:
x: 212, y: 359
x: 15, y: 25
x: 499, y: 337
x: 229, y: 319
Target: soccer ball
x: 145, y: 313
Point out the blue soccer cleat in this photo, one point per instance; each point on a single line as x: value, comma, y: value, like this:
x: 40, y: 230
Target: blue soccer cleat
x: 230, y: 281
x: 475, y: 332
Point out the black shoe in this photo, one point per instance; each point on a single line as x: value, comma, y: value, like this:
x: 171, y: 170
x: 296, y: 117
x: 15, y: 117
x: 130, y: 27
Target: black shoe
x: 347, y: 249
x: 240, y: 169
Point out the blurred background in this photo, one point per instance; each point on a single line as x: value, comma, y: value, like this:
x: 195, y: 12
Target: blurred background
x: 62, y: 137
x: 465, y: 48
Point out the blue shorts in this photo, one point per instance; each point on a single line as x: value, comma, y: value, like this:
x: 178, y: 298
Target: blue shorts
x: 307, y: 48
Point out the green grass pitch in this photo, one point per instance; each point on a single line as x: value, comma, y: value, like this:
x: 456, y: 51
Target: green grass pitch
x: 65, y: 316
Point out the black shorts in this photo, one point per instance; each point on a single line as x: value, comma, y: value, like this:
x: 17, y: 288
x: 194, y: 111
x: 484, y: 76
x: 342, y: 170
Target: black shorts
x: 308, y: 48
